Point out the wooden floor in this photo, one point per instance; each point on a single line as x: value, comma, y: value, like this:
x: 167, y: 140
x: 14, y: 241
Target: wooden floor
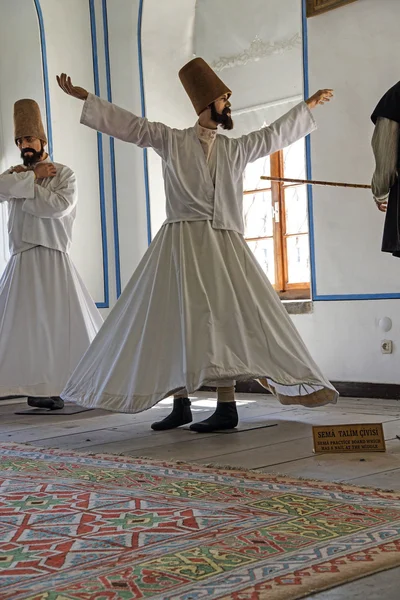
x: 271, y: 438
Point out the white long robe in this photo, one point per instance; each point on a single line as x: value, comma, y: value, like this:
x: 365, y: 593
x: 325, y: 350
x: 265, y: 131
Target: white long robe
x: 47, y: 317
x: 199, y: 308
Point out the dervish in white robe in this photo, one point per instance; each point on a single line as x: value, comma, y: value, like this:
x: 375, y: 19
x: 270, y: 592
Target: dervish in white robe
x: 199, y: 309
x: 47, y: 317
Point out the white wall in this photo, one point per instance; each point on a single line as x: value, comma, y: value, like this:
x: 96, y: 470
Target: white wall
x: 111, y: 233
x: 165, y: 50
x: 255, y: 46
x: 344, y: 338
x: 69, y: 29
x: 131, y: 199
x: 354, y: 50
x: 75, y: 145
x: 268, y: 36
x: 24, y: 60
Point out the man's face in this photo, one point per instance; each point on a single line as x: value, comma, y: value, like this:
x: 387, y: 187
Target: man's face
x: 221, y: 112
x: 32, y: 150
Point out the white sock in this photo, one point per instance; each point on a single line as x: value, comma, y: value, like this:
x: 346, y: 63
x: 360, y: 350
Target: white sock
x: 182, y: 394
x: 226, y: 394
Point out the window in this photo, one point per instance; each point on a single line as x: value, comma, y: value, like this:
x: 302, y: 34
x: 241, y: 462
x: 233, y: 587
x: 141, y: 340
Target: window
x: 276, y: 221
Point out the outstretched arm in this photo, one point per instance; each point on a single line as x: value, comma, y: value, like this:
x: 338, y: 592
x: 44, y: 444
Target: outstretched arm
x: 117, y: 122
x: 289, y: 128
x: 385, y: 142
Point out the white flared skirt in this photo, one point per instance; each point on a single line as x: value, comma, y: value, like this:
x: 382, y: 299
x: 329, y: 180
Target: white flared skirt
x: 198, y: 310
x: 47, y: 322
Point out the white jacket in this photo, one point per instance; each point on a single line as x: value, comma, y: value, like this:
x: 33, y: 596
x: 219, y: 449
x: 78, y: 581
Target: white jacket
x: 189, y: 189
x: 41, y: 212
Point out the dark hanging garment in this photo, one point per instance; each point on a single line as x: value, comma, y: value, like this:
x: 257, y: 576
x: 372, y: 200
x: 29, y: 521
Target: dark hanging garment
x: 389, y: 108
x: 389, y: 105
x: 391, y: 230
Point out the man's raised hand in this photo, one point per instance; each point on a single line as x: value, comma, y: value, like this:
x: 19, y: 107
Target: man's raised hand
x: 319, y: 98
x: 65, y: 83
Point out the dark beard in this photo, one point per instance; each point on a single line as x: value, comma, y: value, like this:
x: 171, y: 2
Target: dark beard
x: 224, y: 119
x: 32, y: 159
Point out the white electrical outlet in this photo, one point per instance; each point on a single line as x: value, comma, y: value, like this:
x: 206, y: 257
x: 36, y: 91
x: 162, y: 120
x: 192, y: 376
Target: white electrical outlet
x: 386, y: 346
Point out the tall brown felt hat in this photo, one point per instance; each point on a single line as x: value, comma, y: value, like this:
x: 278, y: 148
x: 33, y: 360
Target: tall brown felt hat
x: 28, y: 120
x: 202, y: 85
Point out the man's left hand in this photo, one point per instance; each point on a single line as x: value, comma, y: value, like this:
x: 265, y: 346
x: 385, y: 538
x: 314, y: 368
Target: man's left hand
x: 319, y: 98
x: 18, y: 169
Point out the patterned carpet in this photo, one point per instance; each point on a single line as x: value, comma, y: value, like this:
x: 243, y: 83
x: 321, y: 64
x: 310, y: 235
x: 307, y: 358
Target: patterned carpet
x: 80, y: 527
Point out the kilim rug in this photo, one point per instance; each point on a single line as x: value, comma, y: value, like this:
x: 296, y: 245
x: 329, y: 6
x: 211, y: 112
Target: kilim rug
x: 82, y: 527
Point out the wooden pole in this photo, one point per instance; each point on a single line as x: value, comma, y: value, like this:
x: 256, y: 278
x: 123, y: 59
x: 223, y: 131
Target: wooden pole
x: 313, y: 182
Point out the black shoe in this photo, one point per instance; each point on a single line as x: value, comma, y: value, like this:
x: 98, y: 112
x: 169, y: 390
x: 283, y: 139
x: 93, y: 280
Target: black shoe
x: 225, y: 417
x: 180, y: 415
x: 51, y: 403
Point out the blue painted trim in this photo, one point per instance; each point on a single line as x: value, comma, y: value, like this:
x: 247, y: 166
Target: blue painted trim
x: 311, y: 226
x: 353, y: 297
x: 143, y: 103
x: 106, y: 303
x: 45, y: 78
x: 314, y: 294
x: 112, y: 156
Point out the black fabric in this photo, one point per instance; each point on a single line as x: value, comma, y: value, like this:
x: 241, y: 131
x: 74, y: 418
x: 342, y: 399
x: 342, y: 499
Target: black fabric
x: 181, y: 415
x: 391, y: 230
x: 389, y: 108
x: 389, y: 105
x: 225, y: 417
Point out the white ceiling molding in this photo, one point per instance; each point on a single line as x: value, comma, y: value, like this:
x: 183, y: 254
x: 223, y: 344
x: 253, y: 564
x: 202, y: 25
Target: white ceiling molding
x: 257, y: 50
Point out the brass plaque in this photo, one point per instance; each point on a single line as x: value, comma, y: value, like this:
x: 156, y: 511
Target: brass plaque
x: 317, y: 7
x: 349, y: 438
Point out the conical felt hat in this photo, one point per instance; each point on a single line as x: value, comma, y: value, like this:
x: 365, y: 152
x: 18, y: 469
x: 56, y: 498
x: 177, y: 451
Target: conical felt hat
x: 202, y: 85
x: 28, y: 120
